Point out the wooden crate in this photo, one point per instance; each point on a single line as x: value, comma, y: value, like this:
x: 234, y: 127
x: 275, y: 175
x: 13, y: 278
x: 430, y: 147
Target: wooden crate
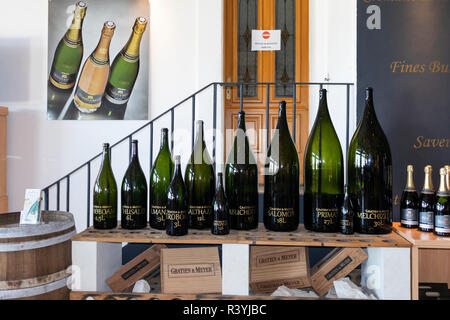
x: 191, y: 271
x: 335, y: 265
x: 274, y: 266
x: 136, y: 269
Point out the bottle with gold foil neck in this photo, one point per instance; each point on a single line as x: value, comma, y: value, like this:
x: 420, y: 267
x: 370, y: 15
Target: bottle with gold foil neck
x: 447, y: 176
x: 442, y: 215
x: 94, y: 76
x: 69, y: 52
x: 409, y: 204
x: 427, y: 202
x: 125, y: 67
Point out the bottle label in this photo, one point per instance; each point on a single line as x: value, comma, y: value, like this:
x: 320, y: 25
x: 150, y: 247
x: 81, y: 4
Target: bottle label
x: 129, y: 213
x: 327, y: 216
x: 220, y: 225
x: 117, y: 95
x: 103, y: 213
x: 442, y: 223
x: 281, y: 214
x: 409, y: 217
x: 248, y: 211
x: 378, y: 217
x: 88, y: 100
x: 128, y: 57
x: 71, y: 43
x: 426, y: 220
x: 159, y: 213
x: 98, y: 62
x: 175, y: 218
x: 201, y: 212
x: 62, y: 80
x: 346, y: 224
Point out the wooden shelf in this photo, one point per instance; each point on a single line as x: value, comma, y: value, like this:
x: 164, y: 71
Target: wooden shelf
x: 422, y: 239
x: 259, y: 236
x: 83, y: 295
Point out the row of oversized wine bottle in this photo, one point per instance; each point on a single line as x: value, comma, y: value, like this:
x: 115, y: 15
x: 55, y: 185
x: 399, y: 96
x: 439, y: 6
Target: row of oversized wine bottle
x: 97, y: 78
x: 430, y: 211
x: 365, y: 207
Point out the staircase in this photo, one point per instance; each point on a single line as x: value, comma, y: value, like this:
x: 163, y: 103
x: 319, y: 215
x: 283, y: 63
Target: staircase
x: 66, y: 180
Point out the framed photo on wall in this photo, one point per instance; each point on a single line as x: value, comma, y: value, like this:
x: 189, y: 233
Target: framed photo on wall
x: 98, y: 56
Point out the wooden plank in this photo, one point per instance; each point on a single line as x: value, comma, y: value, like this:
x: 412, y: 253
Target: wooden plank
x: 422, y: 239
x: 260, y: 236
x: 434, y: 265
x: 83, y: 295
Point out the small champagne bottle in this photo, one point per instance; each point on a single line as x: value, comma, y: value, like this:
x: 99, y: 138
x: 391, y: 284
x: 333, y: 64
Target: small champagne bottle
x: 346, y: 214
x: 409, y: 203
x: 427, y: 202
x: 177, y: 204
x: 221, y: 223
x: 442, y: 216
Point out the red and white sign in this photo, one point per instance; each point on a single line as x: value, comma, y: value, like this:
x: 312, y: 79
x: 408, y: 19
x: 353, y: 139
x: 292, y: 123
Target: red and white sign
x: 266, y: 40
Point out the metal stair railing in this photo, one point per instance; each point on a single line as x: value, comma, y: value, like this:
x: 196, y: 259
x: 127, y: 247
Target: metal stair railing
x: 171, y: 111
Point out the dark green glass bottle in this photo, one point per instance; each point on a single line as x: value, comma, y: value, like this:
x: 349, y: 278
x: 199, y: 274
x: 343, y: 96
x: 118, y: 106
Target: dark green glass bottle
x: 281, y: 179
x: 221, y: 218
x: 69, y: 52
x: 370, y: 174
x: 324, y: 173
x: 200, y: 183
x: 134, y: 194
x: 427, y: 202
x: 105, y: 194
x: 442, y: 216
x: 241, y: 181
x: 125, y: 67
x: 177, y: 204
x: 346, y: 214
x: 160, y: 177
x: 409, y: 203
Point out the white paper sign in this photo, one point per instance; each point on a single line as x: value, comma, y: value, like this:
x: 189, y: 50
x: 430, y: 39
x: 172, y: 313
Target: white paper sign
x: 266, y: 40
x: 31, y: 213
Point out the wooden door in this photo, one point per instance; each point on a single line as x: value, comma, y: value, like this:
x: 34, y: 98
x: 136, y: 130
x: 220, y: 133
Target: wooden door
x: 286, y: 66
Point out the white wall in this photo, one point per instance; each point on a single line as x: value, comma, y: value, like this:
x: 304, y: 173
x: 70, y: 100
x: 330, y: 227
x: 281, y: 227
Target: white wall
x: 185, y: 54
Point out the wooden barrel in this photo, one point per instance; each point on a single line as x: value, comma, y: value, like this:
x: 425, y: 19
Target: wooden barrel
x: 34, y: 258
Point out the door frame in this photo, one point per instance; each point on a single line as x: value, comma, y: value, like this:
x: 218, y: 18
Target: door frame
x: 266, y: 21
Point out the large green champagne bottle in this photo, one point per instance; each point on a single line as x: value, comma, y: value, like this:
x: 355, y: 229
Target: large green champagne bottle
x: 281, y: 179
x: 442, y: 216
x: 324, y: 173
x: 105, y: 194
x: 370, y: 174
x: 125, y: 67
x: 177, y: 221
x: 200, y: 183
x: 241, y: 181
x: 160, y: 178
x: 134, y: 194
x: 69, y: 52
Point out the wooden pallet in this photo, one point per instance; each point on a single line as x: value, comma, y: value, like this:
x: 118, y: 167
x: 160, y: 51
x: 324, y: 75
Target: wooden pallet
x: 260, y: 236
